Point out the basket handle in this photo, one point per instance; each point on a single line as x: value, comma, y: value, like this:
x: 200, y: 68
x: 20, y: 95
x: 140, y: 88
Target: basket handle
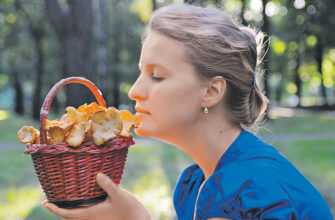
x: 53, y: 92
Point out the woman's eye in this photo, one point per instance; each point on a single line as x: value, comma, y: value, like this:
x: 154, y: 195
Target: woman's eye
x: 156, y: 78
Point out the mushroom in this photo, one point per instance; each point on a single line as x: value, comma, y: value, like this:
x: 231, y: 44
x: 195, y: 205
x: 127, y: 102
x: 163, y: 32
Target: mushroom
x: 129, y: 120
x: 56, y: 135
x: 106, y: 125
x: 28, y: 135
x: 76, y: 135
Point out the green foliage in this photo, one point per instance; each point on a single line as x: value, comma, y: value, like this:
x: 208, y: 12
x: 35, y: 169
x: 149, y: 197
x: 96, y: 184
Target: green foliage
x: 3, y: 80
x: 311, y: 41
x: 143, y: 8
x: 278, y: 46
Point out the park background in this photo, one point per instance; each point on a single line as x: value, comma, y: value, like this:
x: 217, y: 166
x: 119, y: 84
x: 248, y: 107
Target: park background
x: 44, y: 41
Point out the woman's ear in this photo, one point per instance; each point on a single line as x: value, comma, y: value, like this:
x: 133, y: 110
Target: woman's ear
x: 214, y: 91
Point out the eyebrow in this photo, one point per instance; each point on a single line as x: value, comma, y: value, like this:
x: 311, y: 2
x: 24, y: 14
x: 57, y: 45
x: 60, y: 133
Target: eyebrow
x: 153, y: 64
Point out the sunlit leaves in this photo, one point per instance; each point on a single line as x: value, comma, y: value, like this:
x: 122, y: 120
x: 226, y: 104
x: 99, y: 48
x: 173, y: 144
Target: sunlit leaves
x: 311, y: 41
x: 3, y: 115
x: 232, y: 5
x: 10, y: 18
x: 125, y: 87
x: 328, y: 70
x: 293, y: 46
x: 143, y: 8
x: 332, y: 55
x: 308, y: 71
x: 19, y: 202
x: 278, y: 46
x: 291, y: 88
x: 6, y: 2
x: 273, y: 8
x: 3, y: 80
x: 300, y: 19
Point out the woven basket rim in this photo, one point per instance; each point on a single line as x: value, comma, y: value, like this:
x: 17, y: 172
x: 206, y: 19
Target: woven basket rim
x: 116, y: 143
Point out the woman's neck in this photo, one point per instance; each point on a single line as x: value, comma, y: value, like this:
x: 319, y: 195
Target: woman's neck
x: 208, y: 155
x: 206, y: 144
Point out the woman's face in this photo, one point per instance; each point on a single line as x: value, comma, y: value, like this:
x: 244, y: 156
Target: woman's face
x: 167, y: 88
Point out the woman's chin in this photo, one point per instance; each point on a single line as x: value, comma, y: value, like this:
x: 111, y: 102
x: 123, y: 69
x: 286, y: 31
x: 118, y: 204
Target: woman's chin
x: 140, y: 131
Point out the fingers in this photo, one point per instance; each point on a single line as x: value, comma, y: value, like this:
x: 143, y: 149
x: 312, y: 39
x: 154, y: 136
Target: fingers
x: 107, y: 185
x: 66, y: 213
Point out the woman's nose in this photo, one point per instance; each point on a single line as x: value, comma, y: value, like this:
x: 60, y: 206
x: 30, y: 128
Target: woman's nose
x: 137, y: 92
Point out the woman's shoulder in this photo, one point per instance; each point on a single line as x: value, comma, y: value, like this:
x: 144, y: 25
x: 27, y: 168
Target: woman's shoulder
x: 256, y: 194
x: 261, y: 181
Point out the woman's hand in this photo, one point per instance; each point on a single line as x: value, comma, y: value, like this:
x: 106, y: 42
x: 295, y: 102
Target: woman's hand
x: 119, y: 205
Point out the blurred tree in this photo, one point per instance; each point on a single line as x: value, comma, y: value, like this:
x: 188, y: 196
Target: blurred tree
x: 195, y: 2
x: 103, y: 34
x: 36, y: 29
x: 10, y: 41
x: 311, y: 19
x: 154, y: 5
x: 243, y: 8
x: 320, y: 18
x: 116, y: 34
x: 267, y: 55
x: 73, y: 25
x: 297, y: 79
x: 19, y: 97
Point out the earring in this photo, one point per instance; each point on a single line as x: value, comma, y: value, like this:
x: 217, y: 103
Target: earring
x: 206, y: 110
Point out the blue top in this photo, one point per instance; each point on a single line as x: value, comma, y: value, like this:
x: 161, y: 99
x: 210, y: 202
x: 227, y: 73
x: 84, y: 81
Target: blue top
x: 252, y: 180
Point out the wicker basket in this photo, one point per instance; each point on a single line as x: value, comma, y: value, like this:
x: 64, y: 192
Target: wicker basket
x: 68, y: 175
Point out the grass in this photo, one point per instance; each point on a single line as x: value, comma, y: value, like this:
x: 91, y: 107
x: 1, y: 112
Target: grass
x: 10, y: 124
x: 315, y: 159
x: 151, y: 171
x: 301, y: 124
x: 308, y: 141
x: 16, y: 168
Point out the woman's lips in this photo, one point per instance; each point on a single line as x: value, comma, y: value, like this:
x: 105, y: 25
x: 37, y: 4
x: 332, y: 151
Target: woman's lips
x: 142, y: 111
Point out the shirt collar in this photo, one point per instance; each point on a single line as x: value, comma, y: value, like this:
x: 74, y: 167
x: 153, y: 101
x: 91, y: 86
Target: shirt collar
x: 235, y: 149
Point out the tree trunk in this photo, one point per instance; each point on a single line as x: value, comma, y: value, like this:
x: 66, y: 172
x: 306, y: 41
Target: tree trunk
x: 154, y: 5
x: 37, y: 34
x: 19, y: 97
x: 37, y: 101
x: 195, y: 2
x: 319, y: 58
x: 102, y: 33
x: 283, y: 69
x: 297, y: 79
x: 267, y: 57
x: 116, y: 77
x: 244, y: 6
x: 74, y: 29
x: 279, y: 89
x: 115, y: 61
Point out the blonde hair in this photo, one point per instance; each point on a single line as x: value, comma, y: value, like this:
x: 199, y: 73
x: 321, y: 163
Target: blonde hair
x: 215, y: 45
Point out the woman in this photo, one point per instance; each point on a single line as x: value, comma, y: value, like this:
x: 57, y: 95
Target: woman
x: 197, y: 90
